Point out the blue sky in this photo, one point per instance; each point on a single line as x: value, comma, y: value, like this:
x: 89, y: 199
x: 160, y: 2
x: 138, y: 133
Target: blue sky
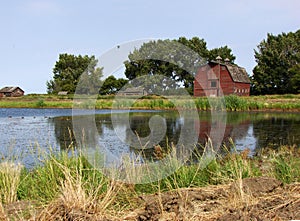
x: 35, y: 32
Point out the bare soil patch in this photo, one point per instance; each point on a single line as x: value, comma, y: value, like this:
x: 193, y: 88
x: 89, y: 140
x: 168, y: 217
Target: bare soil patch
x: 260, y: 198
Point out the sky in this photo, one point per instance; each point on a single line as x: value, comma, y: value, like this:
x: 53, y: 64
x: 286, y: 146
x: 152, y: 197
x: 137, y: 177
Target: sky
x: 34, y: 32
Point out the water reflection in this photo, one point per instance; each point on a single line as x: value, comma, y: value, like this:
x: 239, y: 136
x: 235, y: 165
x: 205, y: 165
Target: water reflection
x: 274, y: 130
x: 28, y: 131
x: 247, y: 130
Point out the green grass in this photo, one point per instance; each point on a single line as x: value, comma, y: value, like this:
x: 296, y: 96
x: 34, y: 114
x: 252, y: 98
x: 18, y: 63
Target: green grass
x: 66, y: 181
x: 286, y: 164
x: 48, y: 177
x: 230, y: 103
x: 9, y: 181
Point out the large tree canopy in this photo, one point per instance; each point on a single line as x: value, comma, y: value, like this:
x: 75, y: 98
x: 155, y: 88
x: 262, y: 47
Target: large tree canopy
x: 111, y: 85
x: 278, y: 65
x: 70, y: 69
x: 225, y: 53
x: 170, y: 64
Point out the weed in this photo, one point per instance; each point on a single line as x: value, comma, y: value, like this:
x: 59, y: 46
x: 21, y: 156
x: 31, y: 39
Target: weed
x: 68, y: 187
x: 9, y: 181
x: 40, y: 103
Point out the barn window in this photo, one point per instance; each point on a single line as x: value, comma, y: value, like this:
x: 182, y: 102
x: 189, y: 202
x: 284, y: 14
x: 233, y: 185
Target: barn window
x: 223, y: 68
x: 213, y: 84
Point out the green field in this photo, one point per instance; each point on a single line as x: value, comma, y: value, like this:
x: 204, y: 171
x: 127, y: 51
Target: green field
x: 287, y: 102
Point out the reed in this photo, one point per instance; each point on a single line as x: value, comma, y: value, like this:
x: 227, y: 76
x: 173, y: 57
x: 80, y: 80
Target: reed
x: 66, y: 186
x: 10, y: 173
x: 76, y: 201
x: 2, y: 212
x: 286, y: 163
x: 230, y: 103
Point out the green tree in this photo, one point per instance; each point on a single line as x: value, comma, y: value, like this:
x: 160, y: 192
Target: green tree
x: 111, y: 85
x: 165, y: 64
x: 196, y: 44
x: 225, y: 53
x: 173, y: 60
x: 70, y: 69
x: 278, y: 65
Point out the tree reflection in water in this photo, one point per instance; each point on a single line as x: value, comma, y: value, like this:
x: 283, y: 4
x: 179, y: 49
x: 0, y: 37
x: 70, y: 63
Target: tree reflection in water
x: 249, y: 130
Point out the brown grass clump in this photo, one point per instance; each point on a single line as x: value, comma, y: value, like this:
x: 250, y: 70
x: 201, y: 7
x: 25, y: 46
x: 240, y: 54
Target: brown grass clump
x: 2, y: 212
x: 77, y: 203
x: 9, y: 181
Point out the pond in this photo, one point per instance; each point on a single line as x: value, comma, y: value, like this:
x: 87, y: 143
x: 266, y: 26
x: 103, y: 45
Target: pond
x: 25, y: 132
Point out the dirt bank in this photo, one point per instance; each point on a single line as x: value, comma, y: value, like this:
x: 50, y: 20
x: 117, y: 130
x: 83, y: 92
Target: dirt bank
x: 260, y: 198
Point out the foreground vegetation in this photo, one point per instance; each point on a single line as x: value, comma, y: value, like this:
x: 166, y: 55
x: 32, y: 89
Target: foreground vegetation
x: 287, y: 102
x: 67, y: 187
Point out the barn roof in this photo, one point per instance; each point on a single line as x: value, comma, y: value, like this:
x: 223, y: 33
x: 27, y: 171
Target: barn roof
x: 238, y: 74
x: 9, y: 89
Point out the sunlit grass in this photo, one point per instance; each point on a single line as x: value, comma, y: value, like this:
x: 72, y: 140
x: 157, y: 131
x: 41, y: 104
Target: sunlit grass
x: 10, y: 174
x: 65, y: 184
x: 231, y: 102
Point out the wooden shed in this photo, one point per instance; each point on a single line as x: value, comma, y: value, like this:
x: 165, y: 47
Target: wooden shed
x: 217, y: 78
x: 11, y: 92
x: 133, y: 91
x: 63, y: 93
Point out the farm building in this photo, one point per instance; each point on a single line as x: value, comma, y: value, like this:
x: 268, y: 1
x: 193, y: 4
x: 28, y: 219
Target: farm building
x: 63, y: 93
x: 11, y: 92
x: 217, y: 78
x: 133, y: 91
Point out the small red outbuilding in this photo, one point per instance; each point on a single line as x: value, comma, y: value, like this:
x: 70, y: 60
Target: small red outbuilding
x: 217, y: 79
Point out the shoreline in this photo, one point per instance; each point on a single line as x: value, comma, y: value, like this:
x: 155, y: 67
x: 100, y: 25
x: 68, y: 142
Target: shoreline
x: 164, y: 109
x: 232, y: 188
x: 276, y: 103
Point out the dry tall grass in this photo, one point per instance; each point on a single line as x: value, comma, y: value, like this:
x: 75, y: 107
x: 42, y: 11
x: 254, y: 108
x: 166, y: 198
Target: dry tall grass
x: 9, y: 181
x: 75, y: 202
x: 2, y: 212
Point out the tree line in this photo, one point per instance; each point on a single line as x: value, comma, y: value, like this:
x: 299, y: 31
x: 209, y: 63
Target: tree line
x: 169, y: 65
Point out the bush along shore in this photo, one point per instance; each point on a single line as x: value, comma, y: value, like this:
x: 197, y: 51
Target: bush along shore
x: 232, y: 187
x: 230, y: 103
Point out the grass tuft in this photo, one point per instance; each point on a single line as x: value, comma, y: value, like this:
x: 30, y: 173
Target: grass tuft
x: 76, y: 202
x: 9, y: 181
x: 67, y: 187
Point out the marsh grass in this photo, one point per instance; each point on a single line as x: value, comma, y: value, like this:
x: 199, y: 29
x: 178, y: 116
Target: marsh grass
x: 75, y: 201
x: 231, y: 165
x: 2, y: 212
x: 286, y: 163
x: 232, y: 102
x: 236, y: 103
x: 47, y: 177
x: 67, y: 187
x: 9, y: 181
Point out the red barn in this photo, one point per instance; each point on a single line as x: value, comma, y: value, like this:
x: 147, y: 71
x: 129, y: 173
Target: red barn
x: 217, y: 78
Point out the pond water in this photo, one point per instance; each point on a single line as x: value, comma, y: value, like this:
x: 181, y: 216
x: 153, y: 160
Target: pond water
x: 25, y: 132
